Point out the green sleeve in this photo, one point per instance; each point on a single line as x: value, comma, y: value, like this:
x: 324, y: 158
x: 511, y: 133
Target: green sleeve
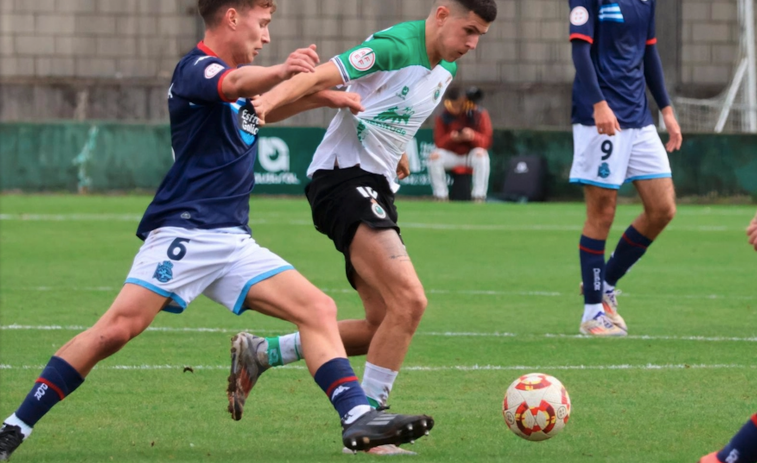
x: 378, y: 54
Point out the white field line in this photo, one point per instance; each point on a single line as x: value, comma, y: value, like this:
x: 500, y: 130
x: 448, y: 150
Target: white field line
x: 541, y: 368
x: 432, y: 291
x: 425, y: 226
x: 444, y: 334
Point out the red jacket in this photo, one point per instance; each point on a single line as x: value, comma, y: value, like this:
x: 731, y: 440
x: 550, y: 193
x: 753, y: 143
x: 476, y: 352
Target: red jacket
x: 477, y: 119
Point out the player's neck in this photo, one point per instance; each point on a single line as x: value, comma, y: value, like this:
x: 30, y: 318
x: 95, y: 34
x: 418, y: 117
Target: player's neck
x: 434, y: 57
x: 218, y: 46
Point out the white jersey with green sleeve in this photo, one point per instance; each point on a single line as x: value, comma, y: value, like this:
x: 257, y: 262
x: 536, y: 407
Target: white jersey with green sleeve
x: 399, y: 91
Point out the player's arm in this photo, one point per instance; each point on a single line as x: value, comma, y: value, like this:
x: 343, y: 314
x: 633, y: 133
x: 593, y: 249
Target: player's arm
x: 249, y: 81
x: 323, y: 99
x: 482, y: 138
x: 656, y: 82
x: 323, y: 77
x: 442, y: 135
x: 583, y: 19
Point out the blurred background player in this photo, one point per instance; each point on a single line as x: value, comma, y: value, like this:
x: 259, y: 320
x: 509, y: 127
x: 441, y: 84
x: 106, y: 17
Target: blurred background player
x: 615, y: 141
x: 354, y: 169
x: 743, y: 446
x: 197, y: 238
x: 462, y: 135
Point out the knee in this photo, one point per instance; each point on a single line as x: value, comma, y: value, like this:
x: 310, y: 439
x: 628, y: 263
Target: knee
x: 479, y: 153
x: 602, y: 217
x: 662, y: 216
x: 411, y: 308
x: 110, y: 339
x: 320, y: 311
x: 434, y: 156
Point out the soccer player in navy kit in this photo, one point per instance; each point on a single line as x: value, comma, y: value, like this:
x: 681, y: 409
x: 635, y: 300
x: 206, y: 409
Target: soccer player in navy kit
x: 197, y: 239
x: 615, y: 141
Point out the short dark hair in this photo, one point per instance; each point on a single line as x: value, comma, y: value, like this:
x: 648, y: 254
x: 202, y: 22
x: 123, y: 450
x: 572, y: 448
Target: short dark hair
x: 485, y: 9
x: 453, y: 93
x: 209, y: 9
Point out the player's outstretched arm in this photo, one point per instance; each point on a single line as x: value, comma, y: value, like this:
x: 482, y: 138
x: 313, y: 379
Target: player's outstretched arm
x: 325, y: 76
x: 323, y: 99
x: 249, y: 81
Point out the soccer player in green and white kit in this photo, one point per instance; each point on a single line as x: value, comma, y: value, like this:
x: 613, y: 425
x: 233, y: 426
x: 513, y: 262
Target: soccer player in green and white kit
x: 400, y: 74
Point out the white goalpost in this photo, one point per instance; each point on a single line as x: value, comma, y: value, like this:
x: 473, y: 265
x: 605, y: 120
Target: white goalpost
x: 734, y: 110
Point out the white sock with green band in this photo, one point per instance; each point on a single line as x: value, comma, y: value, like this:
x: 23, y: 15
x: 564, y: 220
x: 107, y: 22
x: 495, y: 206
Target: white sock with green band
x: 377, y: 384
x: 283, y: 350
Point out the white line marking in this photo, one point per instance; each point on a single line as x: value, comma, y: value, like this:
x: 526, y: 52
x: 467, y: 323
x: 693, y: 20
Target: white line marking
x: 439, y: 291
x: 307, y: 223
x: 165, y: 329
x: 540, y: 368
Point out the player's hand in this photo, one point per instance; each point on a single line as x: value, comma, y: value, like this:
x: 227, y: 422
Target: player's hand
x: 403, y: 168
x: 751, y: 232
x: 467, y: 134
x: 455, y: 135
x: 261, y: 105
x: 605, y: 120
x: 299, y: 61
x: 338, y: 100
x: 671, y: 124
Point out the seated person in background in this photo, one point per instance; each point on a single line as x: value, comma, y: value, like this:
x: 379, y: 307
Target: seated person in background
x: 462, y: 136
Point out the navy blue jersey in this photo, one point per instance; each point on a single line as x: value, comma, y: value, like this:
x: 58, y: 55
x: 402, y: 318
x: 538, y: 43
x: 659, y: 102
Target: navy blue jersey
x: 214, y: 144
x: 619, y: 32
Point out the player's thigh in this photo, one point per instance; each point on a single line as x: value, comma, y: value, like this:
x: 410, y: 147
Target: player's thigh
x: 380, y: 258
x: 600, y: 160
x: 179, y: 264
x: 258, y: 279
x: 451, y: 160
x: 648, y: 159
x: 657, y: 194
x: 133, y: 310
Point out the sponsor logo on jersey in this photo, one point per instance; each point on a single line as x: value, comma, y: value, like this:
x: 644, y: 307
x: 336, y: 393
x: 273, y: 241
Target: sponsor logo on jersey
x: 393, y: 116
x: 404, y: 92
x: 274, y: 159
x: 579, y: 16
x: 604, y: 170
x: 164, y: 272
x: 363, y: 59
x: 212, y: 70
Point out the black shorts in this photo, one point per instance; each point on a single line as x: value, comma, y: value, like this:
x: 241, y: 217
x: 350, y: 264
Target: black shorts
x: 342, y: 199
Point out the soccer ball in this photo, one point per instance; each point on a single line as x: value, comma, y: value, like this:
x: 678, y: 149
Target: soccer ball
x: 536, y: 407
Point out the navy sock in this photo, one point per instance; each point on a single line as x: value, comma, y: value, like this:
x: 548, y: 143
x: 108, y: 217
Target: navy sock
x: 58, y: 380
x: 338, y: 381
x: 592, y: 254
x: 743, y: 446
x: 631, y: 247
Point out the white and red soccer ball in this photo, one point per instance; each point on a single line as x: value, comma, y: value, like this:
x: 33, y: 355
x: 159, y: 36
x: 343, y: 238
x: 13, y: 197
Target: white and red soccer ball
x: 536, y: 407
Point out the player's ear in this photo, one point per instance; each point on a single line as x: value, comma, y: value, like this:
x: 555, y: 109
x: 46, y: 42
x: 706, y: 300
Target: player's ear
x: 442, y: 13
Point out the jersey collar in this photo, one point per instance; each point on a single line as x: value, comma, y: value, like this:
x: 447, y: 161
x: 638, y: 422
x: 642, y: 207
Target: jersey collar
x: 204, y: 48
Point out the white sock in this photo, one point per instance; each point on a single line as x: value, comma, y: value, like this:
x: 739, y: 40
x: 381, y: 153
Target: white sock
x: 291, y: 348
x: 356, y: 412
x: 377, y: 383
x: 608, y: 288
x: 13, y: 420
x: 591, y: 311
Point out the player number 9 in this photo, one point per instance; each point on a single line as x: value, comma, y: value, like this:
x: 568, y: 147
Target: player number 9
x: 607, y: 149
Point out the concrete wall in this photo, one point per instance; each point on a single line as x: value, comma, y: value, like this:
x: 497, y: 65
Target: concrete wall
x: 112, y: 59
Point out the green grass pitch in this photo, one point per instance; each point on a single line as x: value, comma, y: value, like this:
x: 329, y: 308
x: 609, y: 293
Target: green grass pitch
x: 502, y: 282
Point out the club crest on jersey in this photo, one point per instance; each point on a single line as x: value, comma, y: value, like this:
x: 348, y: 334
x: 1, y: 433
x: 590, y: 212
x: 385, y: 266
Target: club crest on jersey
x: 212, y: 70
x: 403, y: 93
x: 164, y: 272
x: 604, y: 170
x: 377, y: 209
x: 579, y: 16
x: 438, y: 92
x: 363, y: 59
